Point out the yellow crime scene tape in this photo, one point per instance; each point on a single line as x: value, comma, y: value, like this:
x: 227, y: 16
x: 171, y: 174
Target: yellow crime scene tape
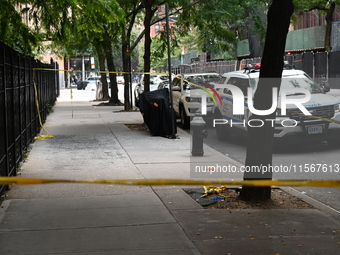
x: 167, y: 182
x: 298, y: 113
x: 41, y: 137
x: 289, y: 111
x: 201, y: 87
x: 207, y: 90
x: 214, y: 190
x: 315, y: 117
x: 178, y: 182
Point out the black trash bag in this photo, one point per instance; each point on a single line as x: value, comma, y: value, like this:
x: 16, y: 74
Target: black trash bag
x: 157, y: 113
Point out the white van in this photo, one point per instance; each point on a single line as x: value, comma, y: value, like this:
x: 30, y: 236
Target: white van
x: 294, y: 126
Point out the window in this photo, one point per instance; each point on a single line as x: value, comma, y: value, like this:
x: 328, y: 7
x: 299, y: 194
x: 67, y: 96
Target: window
x: 176, y: 82
x: 241, y: 83
x: 222, y: 81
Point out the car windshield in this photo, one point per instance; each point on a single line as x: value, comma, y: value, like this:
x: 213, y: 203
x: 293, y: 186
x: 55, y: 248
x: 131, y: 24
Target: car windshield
x: 93, y: 78
x: 202, y: 80
x: 303, y: 82
x: 295, y: 81
x: 156, y: 79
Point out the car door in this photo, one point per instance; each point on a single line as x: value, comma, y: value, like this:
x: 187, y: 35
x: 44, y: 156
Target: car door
x: 237, y: 121
x: 176, y: 93
x: 227, y: 100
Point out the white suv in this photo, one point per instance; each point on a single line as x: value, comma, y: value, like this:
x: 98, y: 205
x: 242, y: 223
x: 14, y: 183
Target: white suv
x: 294, y: 125
x: 155, y: 80
x: 187, y: 90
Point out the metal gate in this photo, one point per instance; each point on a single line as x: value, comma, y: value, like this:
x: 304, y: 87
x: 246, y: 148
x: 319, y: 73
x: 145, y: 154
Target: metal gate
x: 19, y: 122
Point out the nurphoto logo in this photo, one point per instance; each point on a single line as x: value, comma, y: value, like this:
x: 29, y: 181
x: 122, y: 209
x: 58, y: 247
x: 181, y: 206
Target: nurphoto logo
x: 239, y: 99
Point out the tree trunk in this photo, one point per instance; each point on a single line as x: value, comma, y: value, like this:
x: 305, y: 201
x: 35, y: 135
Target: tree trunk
x: 328, y: 34
x: 127, y: 82
x: 126, y: 54
x: 147, y: 42
x: 101, y: 60
x: 126, y: 70
x: 260, y: 140
x: 113, y: 76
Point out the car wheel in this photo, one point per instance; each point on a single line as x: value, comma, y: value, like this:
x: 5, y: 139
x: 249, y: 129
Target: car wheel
x: 185, y: 120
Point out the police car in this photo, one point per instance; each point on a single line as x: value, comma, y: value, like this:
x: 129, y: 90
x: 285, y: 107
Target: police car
x: 294, y: 125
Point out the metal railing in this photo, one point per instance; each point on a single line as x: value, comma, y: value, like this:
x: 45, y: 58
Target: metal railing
x: 19, y: 119
x: 321, y: 66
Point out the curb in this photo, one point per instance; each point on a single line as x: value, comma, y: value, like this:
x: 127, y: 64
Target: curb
x: 3, y: 208
x: 190, y: 204
x: 315, y: 203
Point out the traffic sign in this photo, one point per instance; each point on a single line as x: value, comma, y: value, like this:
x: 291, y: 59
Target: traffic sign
x: 161, y: 11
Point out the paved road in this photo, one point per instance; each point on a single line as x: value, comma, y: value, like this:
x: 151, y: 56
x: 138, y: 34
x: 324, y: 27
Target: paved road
x: 294, y: 157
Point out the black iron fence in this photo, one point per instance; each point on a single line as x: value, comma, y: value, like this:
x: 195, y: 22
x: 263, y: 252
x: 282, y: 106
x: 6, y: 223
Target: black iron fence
x: 19, y: 119
x: 321, y: 66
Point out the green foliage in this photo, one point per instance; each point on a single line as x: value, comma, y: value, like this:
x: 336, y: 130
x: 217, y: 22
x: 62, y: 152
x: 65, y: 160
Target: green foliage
x: 49, y: 108
x: 70, y: 24
x: 14, y: 31
x: 214, y: 23
x: 308, y: 5
x: 159, y: 48
x: 326, y: 8
x: 216, y: 26
x: 25, y: 154
x: 74, y: 25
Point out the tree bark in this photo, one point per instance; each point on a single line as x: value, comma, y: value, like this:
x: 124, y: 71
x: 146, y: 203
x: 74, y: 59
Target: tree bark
x: 260, y: 140
x: 126, y: 55
x: 101, y: 60
x: 126, y: 68
x: 113, y: 76
x: 328, y: 34
x: 147, y: 42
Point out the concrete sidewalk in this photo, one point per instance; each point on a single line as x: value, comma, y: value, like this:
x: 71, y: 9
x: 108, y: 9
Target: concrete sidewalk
x: 93, y: 142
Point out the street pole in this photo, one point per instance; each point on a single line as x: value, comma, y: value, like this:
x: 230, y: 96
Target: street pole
x: 68, y: 73
x: 130, y: 82
x: 83, y: 68
x: 173, y: 135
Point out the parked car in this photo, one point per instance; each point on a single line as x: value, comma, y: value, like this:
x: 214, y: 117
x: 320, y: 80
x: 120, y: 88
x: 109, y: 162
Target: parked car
x: 163, y: 85
x: 120, y: 80
x: 91, y: 83
x: 81, y: 85
x: 155, y: 80
x: 92, y: 86
x: 293, y: 126
x: 187, y: 94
